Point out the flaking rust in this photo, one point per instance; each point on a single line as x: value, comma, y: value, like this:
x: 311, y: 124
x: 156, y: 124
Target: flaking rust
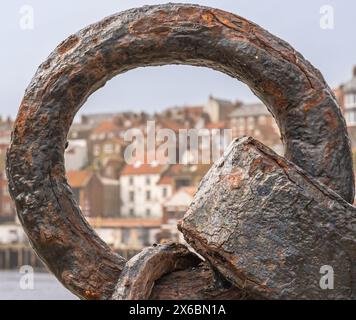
x: 293, y: 90
x: 271, y: 235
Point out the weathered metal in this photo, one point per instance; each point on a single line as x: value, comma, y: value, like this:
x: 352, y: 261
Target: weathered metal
x: 140, y: 273
x: 198, y: 283
x: 269, y: 227
x: 312, y: 127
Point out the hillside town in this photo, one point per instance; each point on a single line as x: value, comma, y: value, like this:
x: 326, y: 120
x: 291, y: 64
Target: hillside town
x: 135, y: 199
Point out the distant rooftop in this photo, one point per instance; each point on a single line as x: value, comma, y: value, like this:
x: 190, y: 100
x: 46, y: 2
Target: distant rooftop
x: 138, y: 169
x: 221, y: 102
x: 350, y: 86
x: 182, y: 197
x: 250, y: 109
x: 81, y: 126
x: 78, y: 179
x: 96, y: 117
x: 106, y: 127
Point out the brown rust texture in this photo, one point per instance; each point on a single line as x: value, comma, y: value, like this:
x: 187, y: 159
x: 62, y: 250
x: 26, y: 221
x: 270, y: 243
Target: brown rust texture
x: 197, y: 283
x: 140, y: 273
x: 271, y: 236
x: 293, y: 90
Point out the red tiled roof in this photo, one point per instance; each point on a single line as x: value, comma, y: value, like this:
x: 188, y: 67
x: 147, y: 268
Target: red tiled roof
x: 176, y: 169
x: 170, y: 124
x: 173, y: 170
x: 194, y: 109
x: 142, y: 169
x: 106, y: 127
x: 78, y: 179
x: 190, y: 190
x: 165, y: 180
x: 216, y: 125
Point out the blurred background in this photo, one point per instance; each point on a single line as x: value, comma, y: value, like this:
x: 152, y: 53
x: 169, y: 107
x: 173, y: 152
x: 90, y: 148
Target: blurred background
x: 133, y: 205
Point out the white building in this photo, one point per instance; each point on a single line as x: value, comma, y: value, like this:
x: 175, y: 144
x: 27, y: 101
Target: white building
x: 141, y: 195
x: 11, y: 234
x: 349, y: 90
x: 76, y: 155
x: 173, y: 210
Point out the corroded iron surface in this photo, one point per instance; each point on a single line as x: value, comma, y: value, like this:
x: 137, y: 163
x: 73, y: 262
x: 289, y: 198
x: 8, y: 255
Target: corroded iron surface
x: 140, y: 273
x: 305, y: 108
x: 269, y: 227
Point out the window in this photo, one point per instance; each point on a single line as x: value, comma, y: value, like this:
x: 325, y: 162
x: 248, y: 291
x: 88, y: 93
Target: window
x: 350, y: 100
x: 131, y: 212
x: 182, y: 183
x: 164, y: 192
x: 241, y: 123
x: 148, y: 212
x: 108, y: 148
x: 241, y: 126
x: 96, y: 150
x: 148, y: 195
x: 131, y: 181
x: 351, y: 117
x: 250, y: 123
x: 148, y: 180
x: 132, y: 196
x: 125, y: 236
x: 144, y: 236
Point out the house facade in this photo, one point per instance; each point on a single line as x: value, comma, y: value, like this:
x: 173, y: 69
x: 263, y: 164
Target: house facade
x: 96, y: 196
x: 173, y: 210
x: 219, y: 109
x: 104, y: 144
x: 180, y: 175
x: 7, y: 206
x: 88, y: 191
x: 141, y: 195
x: 111, y: 204
x: 254, y: 119
x: 348, y: 100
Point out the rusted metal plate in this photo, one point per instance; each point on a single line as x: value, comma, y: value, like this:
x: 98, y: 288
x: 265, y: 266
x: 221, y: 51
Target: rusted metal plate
x: 305, y: 108
x: 270, y: 228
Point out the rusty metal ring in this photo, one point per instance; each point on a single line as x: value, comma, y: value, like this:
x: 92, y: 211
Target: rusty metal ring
x: 310, y: 120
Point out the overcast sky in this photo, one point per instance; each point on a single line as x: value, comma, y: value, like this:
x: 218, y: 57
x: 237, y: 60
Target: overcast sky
x: 152, y: 89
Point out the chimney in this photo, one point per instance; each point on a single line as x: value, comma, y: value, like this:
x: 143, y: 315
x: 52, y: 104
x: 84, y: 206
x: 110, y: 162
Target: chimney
x: 354, y: 72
